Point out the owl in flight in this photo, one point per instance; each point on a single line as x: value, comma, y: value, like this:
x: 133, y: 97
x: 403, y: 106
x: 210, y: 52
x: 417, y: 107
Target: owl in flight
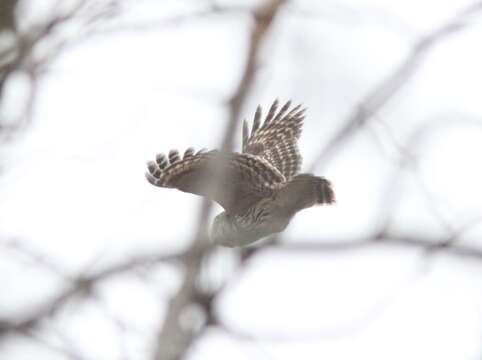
x: 259, y: 188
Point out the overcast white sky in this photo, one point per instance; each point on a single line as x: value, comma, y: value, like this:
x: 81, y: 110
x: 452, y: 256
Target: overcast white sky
x: 73, y: 186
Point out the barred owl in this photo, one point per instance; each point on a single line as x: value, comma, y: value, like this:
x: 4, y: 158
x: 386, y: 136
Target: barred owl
x: 259, y: 188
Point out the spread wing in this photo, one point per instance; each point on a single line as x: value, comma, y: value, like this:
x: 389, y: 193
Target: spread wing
x: 243, y: 179
x: 276, y: 140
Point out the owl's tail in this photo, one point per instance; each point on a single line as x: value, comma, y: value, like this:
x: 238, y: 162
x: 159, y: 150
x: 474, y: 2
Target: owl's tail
x: 324, y: 191
x: 306, y: 190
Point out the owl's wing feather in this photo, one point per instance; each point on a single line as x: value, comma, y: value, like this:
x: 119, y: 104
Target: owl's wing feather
x: 243, y: 179
x: 276, y: 140
x: 304, y: 191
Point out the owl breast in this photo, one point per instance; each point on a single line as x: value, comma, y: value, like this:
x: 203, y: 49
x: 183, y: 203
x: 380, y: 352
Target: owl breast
x: 243, y: 230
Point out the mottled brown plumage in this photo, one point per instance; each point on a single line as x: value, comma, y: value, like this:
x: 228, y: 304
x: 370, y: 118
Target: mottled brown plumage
x: 259, y: 188
x: 276, y: 140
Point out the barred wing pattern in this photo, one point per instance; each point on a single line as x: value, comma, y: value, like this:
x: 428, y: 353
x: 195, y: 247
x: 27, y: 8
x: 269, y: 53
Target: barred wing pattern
x: 260, y: 188
x: 244, y: 178
x: 276, y: 140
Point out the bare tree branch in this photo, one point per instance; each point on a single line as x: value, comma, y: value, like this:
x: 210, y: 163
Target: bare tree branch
x: 79, y: 287
x: 7, y: 14
x: 23, y: 55
x: 389, y: 87
x: 449, y: 245
x: 173, y: 341
x: 167, y: 22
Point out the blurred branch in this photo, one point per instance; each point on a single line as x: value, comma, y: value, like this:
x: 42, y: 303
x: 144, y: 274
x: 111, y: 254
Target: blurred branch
x: 392, y: 84
x: 263, y: 20
x: 81, y: 286
x: 23, y: 54
x: 7, y: 14
x: 36, y: 258
x: 448, y: 245
x: 64, y: 351
x: 167, y: 22
x: 173, y: 341
x: 407, y: 160
x: 354, y: 326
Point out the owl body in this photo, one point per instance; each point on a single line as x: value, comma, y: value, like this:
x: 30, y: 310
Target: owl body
x: 259, y: 188
x: 239, y: 230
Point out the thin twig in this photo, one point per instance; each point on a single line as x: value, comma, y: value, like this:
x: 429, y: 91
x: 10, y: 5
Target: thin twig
x: 390, y: 86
